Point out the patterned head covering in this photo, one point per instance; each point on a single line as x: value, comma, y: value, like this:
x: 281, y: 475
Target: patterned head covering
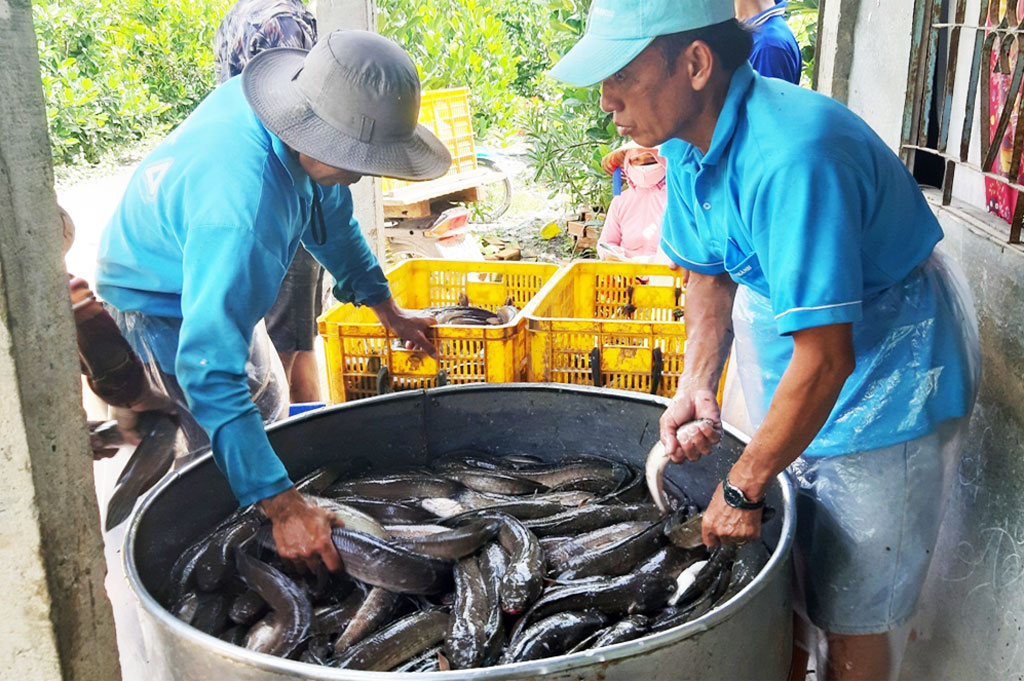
x: 252, y: 26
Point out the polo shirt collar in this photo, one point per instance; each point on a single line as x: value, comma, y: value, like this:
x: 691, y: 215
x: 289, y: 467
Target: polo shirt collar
x: 729, y: 116
x: 760, y: 19
x: 302, y: 182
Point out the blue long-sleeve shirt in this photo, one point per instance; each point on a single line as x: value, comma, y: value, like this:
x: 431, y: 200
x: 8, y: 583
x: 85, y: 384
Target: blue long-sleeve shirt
x: 205, y: 232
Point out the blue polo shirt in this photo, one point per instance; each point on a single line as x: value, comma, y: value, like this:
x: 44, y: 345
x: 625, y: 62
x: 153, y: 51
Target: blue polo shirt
x: 204, y: 234
x: 805, y: 206
x: 775, y: 53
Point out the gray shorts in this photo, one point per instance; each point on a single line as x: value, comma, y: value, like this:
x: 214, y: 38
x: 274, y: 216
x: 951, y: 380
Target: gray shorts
x: 291, y: 321
x: 866, y: 530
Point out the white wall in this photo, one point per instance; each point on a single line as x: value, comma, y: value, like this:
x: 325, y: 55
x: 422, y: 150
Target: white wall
x: 969, y: 622
x: 878, y: 73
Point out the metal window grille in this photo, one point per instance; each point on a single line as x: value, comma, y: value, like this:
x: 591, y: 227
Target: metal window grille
x: 946, y: 31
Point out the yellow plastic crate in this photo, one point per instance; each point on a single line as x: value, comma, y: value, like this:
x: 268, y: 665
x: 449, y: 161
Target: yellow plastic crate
x: 357, y: 345
x: 580, y: 330
x: 447, y: 114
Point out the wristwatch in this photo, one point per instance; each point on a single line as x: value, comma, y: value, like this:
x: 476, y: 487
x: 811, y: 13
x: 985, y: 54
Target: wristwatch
x: 735, y: 497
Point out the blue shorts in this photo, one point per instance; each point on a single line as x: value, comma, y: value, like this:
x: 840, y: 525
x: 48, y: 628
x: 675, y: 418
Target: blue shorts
x: 866, y: 530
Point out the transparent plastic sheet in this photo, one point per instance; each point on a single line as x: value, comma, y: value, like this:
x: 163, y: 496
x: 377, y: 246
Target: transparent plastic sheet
x: 930, y: 460
x: 929, y: 315
x: 151, y: 338
x: 885, y: 510
x: 155, y: 339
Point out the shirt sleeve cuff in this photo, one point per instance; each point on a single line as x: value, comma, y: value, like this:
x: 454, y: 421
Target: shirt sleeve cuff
x: 800, y: 318
x: 710, y: 268
x: 243, y: 453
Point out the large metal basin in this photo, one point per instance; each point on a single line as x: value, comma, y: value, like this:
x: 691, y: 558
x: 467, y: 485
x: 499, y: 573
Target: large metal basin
x: 747, y: 638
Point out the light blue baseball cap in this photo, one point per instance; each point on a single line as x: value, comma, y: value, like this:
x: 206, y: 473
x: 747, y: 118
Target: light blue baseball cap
x: 619, y: 30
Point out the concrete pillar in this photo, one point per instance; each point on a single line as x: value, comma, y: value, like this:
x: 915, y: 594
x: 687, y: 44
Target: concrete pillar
x: 834, y: 52
x: 56, y: 620
x: 366, y: 194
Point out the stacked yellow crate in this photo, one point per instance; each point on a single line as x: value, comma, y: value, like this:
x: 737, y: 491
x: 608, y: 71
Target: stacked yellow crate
x: 609, y: 324
x: 357, y: 346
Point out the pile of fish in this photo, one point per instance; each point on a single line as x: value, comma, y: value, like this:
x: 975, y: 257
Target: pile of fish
x: 468, y: 315
x: 473, y: 561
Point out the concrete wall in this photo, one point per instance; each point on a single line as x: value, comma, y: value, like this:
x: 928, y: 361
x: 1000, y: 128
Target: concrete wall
x: 972, y: 612
x: 972, y: 609
x: 836, y: 34
x: 877, y: 87
x: 56, y: 620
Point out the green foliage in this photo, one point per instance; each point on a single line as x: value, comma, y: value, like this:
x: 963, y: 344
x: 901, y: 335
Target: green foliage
x: 567, y: 139
x: 487, y: 45
x: 114, y: 71
x: 567, y: 132
x: 802, y: 16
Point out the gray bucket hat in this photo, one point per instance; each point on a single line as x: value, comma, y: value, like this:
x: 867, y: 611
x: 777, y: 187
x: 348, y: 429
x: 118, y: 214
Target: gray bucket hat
x: 351, y: 102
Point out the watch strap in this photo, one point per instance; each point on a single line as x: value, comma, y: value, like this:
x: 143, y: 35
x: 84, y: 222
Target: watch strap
x: 735, y: 497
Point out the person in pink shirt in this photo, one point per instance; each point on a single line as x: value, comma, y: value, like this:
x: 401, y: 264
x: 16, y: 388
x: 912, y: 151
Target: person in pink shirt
x: 632, y: 230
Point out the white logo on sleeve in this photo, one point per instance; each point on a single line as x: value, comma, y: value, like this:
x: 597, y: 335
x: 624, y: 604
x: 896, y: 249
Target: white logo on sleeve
x: 153, y: 175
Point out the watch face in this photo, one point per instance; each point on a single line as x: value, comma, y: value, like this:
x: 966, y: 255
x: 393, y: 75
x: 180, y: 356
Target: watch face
x: 732, y: 496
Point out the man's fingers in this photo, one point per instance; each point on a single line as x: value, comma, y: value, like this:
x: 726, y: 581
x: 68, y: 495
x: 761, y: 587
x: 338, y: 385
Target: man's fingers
x: 419, y: 341
x: 667, y: 435
x: 426, y: 345
x: 711, y: 431
x: 330, y: 557
x: 709, y: 538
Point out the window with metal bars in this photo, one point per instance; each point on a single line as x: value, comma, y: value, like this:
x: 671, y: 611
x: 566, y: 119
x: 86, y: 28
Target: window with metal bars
x: 963, y: 125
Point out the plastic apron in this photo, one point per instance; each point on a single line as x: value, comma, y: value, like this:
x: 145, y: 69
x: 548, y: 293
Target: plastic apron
x: 761, y: 354
x: 155, y: 339
x: 929, y: 316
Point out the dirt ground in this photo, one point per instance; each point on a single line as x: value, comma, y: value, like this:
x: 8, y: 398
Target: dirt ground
x: 531, y: 210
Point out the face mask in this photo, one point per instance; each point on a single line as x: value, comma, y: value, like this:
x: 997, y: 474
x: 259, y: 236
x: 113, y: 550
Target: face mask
x: 646, y: 176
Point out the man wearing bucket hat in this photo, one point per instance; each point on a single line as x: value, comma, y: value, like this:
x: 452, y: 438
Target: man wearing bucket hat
x: 194, y: 255
x: 856, y: 344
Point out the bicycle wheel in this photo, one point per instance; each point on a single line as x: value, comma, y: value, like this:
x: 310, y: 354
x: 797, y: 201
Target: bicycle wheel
x: 494, y: 198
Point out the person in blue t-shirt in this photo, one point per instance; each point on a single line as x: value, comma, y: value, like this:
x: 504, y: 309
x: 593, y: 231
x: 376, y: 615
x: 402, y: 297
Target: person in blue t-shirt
x: 195, y: 253
x: 856, y: 343
x: 775, y: 52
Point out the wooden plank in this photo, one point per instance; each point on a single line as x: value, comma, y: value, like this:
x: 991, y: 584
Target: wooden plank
x: 422, y: 209
x: 419, y: 209
x: 442, y: 186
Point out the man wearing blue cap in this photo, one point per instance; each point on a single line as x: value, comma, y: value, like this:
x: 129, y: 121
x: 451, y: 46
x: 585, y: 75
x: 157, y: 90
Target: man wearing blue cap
x: 856, y: 344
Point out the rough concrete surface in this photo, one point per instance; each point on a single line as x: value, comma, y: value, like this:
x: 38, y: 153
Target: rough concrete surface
x: 57, y: 621
x: 972, y: 608
x: 878, y: 77
x: 835, y: 54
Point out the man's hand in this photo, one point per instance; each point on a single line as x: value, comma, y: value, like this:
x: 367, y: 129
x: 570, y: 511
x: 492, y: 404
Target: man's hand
x: 302, y: 531
x: 724, y: 524
x: 685, y: 407
x: 410, y: 326
x: 105, y: 439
